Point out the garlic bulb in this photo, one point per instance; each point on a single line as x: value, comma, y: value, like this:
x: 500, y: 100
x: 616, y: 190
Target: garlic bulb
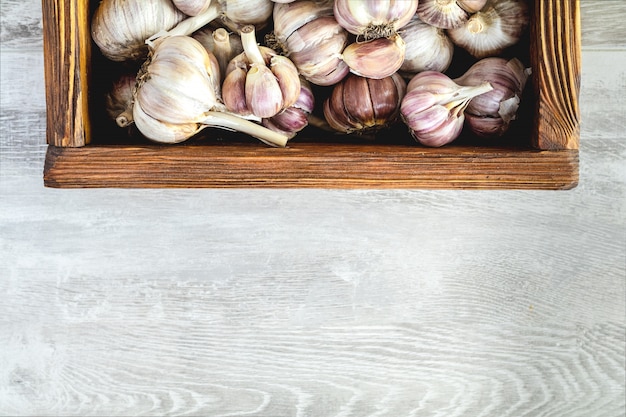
x: 119, y: 100
x: 259, y: 81
x: 433, y: 107
x: 120, y: 27
x: 359, y: 104
x: 490, y: 114
x: 428, y: 48
x: 239, y: 13
x: 373, y: 19
x: 224, y: 45
x: 379, y: 50
x: 307, y: 33
x: 444, y: 14
x: 296, y: 117
x: 177, y: 95
x: 192, y: 7
x: 497, y: 26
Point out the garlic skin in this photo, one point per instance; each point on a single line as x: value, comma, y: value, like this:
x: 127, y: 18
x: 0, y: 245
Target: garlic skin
x: 373, y: 19
x: 259, y: 82
x: 119, y: 99
x: 433, y: 107
x: 177, y: 95
x: 444, y: 14
x: 309, y: 35
x: 497, y: 26
x: 361, y: 105
x: 120, y: 27
x: 489, y: 115
x: 239, y: 13
x: 192, y: 7
x: 471, y: 6
x: 428, y: 48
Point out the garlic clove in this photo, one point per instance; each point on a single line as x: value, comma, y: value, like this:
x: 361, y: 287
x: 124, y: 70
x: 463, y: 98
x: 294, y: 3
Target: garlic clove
x: 263, y: 93
x: 499, y: 25
x: 234, y: 92
x: 288, y: 79
x: 444, y: 14
x: 365, y: 58
x: 222, y: 44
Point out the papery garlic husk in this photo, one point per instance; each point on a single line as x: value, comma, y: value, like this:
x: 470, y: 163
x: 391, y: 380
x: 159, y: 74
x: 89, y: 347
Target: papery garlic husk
x: 378, y: 58
x: 239, y: 13
x: 192, y: 7
x: 373, y: 19
x: 221, y: 43
x: 259, y: 81
x: 497, y: 26
x: 433, y: 107
x: 120, y: 27
x: 296, y: 117
x: 471, y: 6
x: 444, y: 14
x: 177, y: 95
x: 119, y: 99
x: 362, y: 105
x: 307, y: 33
x: 428, y: 48
x: 489, y: 115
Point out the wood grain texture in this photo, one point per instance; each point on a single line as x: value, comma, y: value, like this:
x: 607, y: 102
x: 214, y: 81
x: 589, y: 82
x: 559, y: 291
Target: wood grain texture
x: 67, y: 55
x: 310, y: 165
x: 555, y: 56
x: 312, y: 302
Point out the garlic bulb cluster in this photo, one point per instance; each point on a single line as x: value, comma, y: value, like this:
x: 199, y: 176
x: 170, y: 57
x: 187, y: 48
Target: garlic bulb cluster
x: 434, y: 107
x: 259, y: 82
x: 177, y: 95
x: 359, y: 104
x: 490, y: 114
x: 272, y: 68
x: 379, y: 49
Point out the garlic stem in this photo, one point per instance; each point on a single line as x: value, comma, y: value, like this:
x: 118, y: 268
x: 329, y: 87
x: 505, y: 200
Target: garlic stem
x: 250, y: 46
x: 456, y: 107
x: 125, y: 118
x: 230, y: 122
x: 190, y: 24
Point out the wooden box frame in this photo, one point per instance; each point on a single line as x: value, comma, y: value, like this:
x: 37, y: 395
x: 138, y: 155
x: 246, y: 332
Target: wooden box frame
x: 550, y: 161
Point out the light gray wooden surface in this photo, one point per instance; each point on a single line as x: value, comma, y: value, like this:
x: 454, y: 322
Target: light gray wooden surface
x: 313, y: 302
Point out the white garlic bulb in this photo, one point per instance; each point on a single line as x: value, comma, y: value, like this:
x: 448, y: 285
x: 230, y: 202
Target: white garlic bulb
x: 177, y: 95
x: 192, y: 7
x: 497, y: 26
x: 374, y: 18
x: 444, y: 14
x: 309, y: 35
x: 428, y: 48
x: 120, y: 27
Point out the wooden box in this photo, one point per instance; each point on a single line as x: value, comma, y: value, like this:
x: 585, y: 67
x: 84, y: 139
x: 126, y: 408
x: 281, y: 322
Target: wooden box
x: 541, y: 151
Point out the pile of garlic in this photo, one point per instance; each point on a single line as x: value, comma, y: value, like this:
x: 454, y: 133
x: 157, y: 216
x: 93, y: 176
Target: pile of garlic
x: 270, y: 68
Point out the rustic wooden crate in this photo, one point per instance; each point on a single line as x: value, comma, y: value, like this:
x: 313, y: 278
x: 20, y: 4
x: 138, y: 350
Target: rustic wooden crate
x: 541, y: 152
